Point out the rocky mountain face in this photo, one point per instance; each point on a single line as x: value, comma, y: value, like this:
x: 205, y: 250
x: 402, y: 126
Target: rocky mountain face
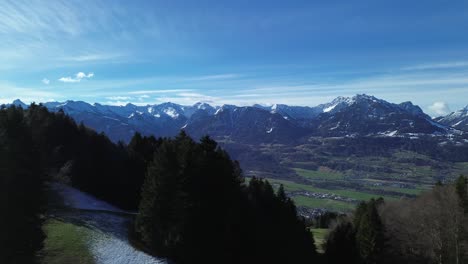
x: 360, y: 115
x: 246, y: 124
x: 457, y: 120
x: 366, y: 115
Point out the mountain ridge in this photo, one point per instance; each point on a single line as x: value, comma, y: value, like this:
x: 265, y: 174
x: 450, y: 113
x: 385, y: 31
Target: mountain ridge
x: 360, y: 115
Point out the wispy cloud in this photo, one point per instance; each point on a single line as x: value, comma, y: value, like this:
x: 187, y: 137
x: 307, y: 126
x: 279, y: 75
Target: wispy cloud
x: 78, y: 77
x: 216, y: 77
x: 92, y: 57
x: 162, y: 91
x: 64, y: 33
x: 46, y: 81
x: 436, y: 66
x: 118, y: 98
x: 10, y: 92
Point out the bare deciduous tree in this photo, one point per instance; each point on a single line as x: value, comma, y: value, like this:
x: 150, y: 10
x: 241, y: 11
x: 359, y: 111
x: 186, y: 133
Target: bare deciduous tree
x: 428, y: 228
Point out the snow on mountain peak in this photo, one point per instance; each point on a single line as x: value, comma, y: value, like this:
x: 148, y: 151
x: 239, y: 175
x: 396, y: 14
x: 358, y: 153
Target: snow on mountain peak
x: 328, y: 109
x: 202, y: 106
x: 171, y: 112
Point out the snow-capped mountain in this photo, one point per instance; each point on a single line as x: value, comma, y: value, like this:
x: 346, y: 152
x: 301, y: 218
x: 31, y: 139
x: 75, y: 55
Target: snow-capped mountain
x: 246, y: 124
x: 121, y: 122
x: 335, y: 105
x: 292, y: 112
x: 367, y: 115
x: 458, y: 119
x: 360, y: 115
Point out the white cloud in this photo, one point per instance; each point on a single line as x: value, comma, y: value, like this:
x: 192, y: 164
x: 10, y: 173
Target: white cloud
x: 78, y: 77
x: 440, y: 108
x: 45, y: 81
x: 92, y: 57
x: 68, y: 80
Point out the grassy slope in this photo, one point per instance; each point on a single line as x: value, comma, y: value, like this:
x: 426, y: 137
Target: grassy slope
x: 65, y: 243
x: 320, y: 235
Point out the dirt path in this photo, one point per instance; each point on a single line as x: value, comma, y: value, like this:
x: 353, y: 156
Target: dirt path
x: 108, y: 241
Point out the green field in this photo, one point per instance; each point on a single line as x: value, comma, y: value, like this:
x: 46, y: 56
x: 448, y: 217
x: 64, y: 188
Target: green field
x: 65, y: 243
x: 323, y: 203
x: 315, y: 173
x: 320, y: 174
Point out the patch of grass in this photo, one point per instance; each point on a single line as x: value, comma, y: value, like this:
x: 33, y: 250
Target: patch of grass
x: 66, y: 243
x: 329, y: 204
x: 461, y: 168
x: 320, y: 235
x: 409, y: 154
x: 415, y: 191
x: 321, y: 174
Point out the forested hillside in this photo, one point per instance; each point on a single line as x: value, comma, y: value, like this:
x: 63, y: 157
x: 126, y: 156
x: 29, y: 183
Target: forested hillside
x: 195, y: 205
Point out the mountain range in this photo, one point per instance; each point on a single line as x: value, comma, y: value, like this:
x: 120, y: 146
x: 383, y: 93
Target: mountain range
x: 360, y: 115
x: 340, y: 151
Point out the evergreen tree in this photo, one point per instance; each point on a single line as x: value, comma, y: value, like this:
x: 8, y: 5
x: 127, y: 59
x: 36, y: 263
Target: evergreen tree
x: 21, y: 199
x: 369, y: 232
x: 195, y: 208
x: 340, y: 246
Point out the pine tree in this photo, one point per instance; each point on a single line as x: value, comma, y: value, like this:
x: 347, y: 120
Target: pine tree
x: 21, y: 198
x: 195, y: 208
x: 341, y: 245
x: 370, y: 234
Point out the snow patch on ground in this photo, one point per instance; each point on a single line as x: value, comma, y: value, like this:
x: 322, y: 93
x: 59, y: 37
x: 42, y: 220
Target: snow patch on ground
x: 459, y: 122
x: 111, y: 118
x: 391, y: 133
x: 108, y: 227
x: 109, y: 249
x: 335, y: 127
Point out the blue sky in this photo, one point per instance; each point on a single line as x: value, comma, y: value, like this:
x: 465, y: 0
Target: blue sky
x: 237, y: 52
